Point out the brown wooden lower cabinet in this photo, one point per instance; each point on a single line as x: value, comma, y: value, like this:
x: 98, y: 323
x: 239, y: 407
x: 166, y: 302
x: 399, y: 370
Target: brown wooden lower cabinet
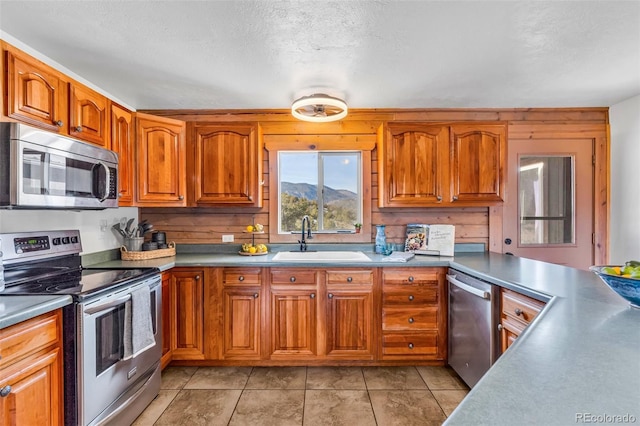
x: 31, y: 380
x: 166, y: 320
x: 516, y: 312
x: 187, y: 314
x: 315, y: 316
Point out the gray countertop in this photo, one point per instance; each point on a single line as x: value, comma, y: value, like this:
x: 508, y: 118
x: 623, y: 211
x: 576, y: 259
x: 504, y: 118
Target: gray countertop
x: 15, y: 309
x: 579, y: 359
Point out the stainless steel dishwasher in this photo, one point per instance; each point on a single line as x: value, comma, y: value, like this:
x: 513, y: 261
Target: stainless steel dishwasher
x: 473, y: 317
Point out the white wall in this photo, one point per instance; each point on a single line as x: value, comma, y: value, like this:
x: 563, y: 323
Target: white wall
x: 624, y: 232
x: 87, y: 221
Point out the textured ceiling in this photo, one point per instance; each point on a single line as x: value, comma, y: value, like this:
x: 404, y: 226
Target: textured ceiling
x: 375, y: 54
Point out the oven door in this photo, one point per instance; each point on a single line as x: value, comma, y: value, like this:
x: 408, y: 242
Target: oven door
x: 48, y: 177
x: 106, y: 378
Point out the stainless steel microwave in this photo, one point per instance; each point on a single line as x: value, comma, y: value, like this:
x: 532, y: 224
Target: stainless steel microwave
x: 40, y: 169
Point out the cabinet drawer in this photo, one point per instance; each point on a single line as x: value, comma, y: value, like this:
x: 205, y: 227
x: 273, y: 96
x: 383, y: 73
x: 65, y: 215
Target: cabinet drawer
x: 349, y: 277
x: 30, y: 336
x: 425, y: 343
x: 409, y: 276
x: 409, y: 295
x: 410, y: 319
x: 293, y: 276
x: 519, y: 306
x: 241, y: 276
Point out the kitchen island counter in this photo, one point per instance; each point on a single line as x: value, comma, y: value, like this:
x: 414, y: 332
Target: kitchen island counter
x: 578, y: 362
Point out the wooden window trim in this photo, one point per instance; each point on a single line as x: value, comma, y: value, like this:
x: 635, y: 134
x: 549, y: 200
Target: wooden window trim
x: 363, y: 143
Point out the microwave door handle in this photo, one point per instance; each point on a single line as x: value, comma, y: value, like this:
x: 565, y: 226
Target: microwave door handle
x: 100, y: 186
x: 46, y: 170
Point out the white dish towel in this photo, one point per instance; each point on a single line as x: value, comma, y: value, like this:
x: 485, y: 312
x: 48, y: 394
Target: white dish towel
x: 138, y: 328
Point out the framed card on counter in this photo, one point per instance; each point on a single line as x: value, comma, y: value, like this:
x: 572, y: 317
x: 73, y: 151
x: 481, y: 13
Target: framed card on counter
x: 434, y: 240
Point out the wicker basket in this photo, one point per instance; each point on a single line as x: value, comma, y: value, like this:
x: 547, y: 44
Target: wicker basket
x: 146, y: 255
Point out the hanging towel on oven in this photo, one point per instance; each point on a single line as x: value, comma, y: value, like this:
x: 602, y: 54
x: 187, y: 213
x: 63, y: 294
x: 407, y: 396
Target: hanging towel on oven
x: 138, y: 328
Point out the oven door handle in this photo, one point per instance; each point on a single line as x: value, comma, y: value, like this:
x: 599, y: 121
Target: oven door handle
x: 469, y: 289
x: 104, y: 306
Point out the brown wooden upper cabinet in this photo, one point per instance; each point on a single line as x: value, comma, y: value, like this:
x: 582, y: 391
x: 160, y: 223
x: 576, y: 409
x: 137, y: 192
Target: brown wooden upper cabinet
x: 35, y: 93
x: 88, y: 115
x: 41, y: 96
x: 161, y: 162
x: 423, y: 165
x: 228, y: 165
x: 122, y: 142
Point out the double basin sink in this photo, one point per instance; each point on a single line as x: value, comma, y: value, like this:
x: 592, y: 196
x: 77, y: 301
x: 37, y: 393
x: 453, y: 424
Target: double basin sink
x: 321, y: 256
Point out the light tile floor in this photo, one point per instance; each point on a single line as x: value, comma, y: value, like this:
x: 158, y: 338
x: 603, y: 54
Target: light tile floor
x: 309, y: 396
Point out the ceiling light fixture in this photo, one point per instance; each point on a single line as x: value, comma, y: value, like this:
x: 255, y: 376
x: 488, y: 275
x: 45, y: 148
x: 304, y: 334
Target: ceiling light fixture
x: 319, y: 108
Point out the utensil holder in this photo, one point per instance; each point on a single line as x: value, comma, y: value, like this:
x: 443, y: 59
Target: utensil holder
x: 134, y: 243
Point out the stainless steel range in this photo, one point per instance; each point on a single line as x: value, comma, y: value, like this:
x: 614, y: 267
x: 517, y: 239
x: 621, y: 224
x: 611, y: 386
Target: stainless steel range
x: 112, y: 331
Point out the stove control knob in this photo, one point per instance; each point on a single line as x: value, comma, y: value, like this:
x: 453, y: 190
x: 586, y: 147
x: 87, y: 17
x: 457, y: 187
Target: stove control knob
x: 56, y: 241
x: 65, y: 240
x: 74, y: 240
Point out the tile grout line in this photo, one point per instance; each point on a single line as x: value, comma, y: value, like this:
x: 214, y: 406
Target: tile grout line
x: 375, y: 419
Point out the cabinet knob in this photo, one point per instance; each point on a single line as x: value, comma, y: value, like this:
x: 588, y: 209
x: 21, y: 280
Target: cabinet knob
x: 120, y: 194
x: 180, y: 197
x: 240, y: 278
x: 250, y: 198
x: 78, y: 129
x: 197, y: 277
x: 411, y: 298
x: 411, y: 320
x: 410, y: 345
x: 312, y: 295
x: 59, y: 123
x: 518, y: 311
x: 292, y: 279
x: 410, y: 279
x: 330, y: 296
x: 5, y: 391
x: 500, y: 327
x: 439, y: 198
x: 349, y: 279
x: 255, y: 295
x: 455, y: 198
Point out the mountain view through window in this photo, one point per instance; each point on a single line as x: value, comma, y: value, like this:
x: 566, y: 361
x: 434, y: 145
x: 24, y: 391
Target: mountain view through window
x: 323, y: 185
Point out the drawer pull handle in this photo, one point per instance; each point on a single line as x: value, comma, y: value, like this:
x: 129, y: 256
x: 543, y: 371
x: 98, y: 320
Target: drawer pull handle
x: 312, y: 295
x: 180, y: 197
x: 439, y: 198
x: 411, y: 298
x: 240, y: 278
x: 411, y: 320
x: 349, y: 279
x: 410, y: 279
x: 330, y: 296
x: 292, y: 279
x: 255, y: 295
x: 518, y: 311
x: 78, y: 129
x: 59, y: 123
x: 197, y: 277
x: 5, y: 391
x: 410, y: 345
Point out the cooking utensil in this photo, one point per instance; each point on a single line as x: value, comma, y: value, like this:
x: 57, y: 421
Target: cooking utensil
x: 119, y: 230
x: 128, y: 229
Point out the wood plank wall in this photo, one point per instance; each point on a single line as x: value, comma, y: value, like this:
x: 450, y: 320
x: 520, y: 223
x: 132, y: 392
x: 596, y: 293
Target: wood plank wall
x: 207, y: 225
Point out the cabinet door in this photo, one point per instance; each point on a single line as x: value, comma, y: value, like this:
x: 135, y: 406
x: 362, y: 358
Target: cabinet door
x: 241, y: 334
x: 414, y: 166
x: 187, y: 340
x: 36, y: 391
x: 122, y: 143
x: 349, y: 323
x: 293, y: 323
x: 227, y: 166
x: 161, y: 162
x: 478, y: 162
x: 35, y: 94
x: 166, y: 318
x: 88, y: 115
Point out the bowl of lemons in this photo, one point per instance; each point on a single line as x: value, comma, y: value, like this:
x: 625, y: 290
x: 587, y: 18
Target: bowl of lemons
x: 623, y: 279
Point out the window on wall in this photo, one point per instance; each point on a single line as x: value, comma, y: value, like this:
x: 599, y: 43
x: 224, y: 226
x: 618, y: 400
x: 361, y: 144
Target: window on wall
x: 325, y: 185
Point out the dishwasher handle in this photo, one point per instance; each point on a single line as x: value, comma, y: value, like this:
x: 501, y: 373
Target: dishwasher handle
x: 469, y: 289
